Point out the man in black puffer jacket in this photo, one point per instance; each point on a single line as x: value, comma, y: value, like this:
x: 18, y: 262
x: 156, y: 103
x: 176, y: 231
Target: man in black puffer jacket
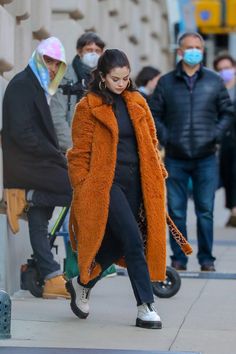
x: 192, y: 112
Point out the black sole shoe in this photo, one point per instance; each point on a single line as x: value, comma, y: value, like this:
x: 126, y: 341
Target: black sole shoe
x: 231, y: 222
x: 208, y: 268
x: 178, y: 266
x: 73, y: 306
x: 148, y: 324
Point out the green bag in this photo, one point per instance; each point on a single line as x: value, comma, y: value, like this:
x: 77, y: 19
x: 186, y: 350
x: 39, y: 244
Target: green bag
x: 71, y: 265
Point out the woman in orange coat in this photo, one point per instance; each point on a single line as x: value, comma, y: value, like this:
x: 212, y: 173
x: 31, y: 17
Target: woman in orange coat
x: 118, y: 210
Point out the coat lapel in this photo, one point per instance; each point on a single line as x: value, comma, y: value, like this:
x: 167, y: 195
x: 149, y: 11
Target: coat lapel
x: 136, y: 112
x: 104, y: 114
x: 43, y: 107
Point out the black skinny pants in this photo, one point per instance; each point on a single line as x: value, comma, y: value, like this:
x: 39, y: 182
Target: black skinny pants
x: 228, y: 170
x: 122, y: 236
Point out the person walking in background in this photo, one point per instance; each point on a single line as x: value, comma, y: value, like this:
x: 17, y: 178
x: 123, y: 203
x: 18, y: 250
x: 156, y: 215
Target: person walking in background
x: 35, y: 171
x: 118, y: 209
x: 192, y: 112
x: 146, y: 80
x: 89, y: 47
x: 224, y: 64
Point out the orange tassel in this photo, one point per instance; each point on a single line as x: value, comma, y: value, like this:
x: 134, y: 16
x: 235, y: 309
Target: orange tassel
x: 179, y: 238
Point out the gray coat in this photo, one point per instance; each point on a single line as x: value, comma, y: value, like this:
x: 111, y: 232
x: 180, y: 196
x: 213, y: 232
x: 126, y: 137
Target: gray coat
x: 59, y: 110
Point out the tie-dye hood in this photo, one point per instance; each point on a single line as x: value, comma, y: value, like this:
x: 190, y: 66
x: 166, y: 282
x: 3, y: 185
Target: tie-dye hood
x: 53, y: 48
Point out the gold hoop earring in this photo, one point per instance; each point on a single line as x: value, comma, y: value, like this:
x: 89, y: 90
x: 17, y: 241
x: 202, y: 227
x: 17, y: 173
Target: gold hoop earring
x: 101, y: 88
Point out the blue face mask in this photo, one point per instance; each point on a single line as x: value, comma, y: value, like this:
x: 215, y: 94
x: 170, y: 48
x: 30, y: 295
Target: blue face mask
x: 193, y: 56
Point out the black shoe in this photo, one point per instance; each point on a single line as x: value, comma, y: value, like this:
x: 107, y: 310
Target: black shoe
x: 231, y: 222
x: 208, y: 268
x: 178, y: 265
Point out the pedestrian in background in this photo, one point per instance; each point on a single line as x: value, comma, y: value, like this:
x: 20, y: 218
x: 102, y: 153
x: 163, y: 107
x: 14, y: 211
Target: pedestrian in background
x: 89, y: 47
x: 118, y: 209
x: 146, y: 80
x: 192, y: 112
x: 35, y: 171
x: 224, y: 64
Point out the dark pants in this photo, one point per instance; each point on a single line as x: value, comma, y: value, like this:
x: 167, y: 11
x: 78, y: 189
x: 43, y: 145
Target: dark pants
x: 228, y: 170
x: 38, y: 217
x: 123, y: 237
x: 203, y: 173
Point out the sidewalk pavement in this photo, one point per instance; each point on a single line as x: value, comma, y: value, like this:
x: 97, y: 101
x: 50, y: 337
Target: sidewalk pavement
x: 200, y: 318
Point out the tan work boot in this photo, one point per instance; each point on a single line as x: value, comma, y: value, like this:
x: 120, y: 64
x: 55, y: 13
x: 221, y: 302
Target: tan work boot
x: 55, y: 287
x: 15, y: 204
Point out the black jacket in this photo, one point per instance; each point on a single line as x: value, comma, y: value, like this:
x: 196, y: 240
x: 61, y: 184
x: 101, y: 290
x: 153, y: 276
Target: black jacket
x: 191, y: 122
x: 31, y: 156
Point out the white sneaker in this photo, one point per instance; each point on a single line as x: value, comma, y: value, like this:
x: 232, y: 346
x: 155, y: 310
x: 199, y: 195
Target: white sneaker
x: 148, y: 317
x: 79, y: 298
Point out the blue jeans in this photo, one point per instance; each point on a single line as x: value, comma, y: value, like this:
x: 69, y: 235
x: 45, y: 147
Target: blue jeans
x: 203, y: 173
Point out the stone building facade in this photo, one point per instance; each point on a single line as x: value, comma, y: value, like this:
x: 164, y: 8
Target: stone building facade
x: 139, y: 27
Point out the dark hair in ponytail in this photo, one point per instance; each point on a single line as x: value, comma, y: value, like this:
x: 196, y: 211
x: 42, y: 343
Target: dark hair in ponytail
x: 110, y: 59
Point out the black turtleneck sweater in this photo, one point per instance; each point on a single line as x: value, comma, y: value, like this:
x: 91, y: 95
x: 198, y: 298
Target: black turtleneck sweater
x: 127, y: 146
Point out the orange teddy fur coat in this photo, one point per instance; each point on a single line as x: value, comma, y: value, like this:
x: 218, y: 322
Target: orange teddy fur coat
x: 92, y: 162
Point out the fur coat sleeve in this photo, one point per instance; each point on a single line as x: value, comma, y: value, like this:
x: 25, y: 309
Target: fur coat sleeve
x: 82, y: 135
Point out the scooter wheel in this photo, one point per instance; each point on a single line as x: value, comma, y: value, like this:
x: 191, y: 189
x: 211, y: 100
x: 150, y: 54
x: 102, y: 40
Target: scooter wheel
x: 170, y: 286
x: 30, y: 281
